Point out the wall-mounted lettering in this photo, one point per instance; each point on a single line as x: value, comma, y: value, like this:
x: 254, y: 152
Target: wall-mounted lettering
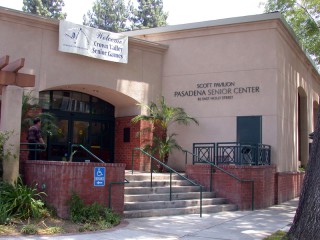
x: 216, y: 91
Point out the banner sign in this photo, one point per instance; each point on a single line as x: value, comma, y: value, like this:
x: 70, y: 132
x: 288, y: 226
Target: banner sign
x: 93, y: 42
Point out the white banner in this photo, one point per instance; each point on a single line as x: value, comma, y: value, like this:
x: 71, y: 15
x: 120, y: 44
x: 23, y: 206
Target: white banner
x: 93, y: 42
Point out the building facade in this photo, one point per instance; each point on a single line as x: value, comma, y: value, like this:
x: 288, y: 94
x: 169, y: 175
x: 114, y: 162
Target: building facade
x: 243, y: 79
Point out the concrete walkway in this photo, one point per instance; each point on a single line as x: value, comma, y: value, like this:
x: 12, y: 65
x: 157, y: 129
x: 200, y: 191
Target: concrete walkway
x: 239, y: 225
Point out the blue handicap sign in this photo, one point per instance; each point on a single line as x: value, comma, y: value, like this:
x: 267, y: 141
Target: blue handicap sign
x: 99, y: 176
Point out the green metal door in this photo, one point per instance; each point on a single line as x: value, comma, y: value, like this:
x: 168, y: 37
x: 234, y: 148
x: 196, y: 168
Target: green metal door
x: 249, y: 129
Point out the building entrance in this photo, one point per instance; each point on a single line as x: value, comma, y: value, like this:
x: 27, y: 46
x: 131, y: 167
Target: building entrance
x: 82, y: 119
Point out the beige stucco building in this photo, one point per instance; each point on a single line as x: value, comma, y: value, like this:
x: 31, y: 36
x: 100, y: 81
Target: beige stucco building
x: 229, y: 74
x: 268, y: 75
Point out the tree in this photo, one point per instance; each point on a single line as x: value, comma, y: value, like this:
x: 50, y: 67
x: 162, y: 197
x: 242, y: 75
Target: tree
x: 110, y: 15
x: 149, y: 14
x: 306, y: 221
x: 161, y: 116
x: 303, y: 17
x: 45, y: 8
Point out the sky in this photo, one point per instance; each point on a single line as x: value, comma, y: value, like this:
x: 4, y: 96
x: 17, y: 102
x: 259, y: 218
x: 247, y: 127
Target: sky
x: 180, y: 11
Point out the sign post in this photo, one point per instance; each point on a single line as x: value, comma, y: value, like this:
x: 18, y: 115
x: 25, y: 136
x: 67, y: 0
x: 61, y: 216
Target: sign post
x: 99, y: 176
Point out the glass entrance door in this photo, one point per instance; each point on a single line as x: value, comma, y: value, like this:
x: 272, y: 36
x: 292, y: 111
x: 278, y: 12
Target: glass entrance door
x: 82, y: 119
x: 96, y: 136
x: 70, y: 132
x: 80, y: 135
x: 58, y: 145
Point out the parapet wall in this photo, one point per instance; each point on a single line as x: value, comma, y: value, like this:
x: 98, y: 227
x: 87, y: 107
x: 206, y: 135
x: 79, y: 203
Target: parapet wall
x: 59, y: 179
x: 269, y: 187
x: 288, y: 186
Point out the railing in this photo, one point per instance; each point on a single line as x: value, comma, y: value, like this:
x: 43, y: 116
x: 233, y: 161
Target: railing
x: 232, y: 153
x: 96, y: 157
x: 204, y: 150
x: 35, y: 147
x: 152, y: 158
x: 109, y: 187
x: 88, y: 151
x: 212, y: 165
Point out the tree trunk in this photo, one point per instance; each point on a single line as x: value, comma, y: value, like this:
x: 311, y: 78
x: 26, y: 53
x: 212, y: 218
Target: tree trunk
x: 306, y: 223
x: 1, y: 168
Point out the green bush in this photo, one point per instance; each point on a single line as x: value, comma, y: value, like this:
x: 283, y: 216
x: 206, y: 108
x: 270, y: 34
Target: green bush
x: 91, y: 214
x: 4, y: 213
x: 21, y: 201
x: 29, y: 229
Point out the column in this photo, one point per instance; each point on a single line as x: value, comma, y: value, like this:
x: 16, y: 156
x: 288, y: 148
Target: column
x: 11, y: 107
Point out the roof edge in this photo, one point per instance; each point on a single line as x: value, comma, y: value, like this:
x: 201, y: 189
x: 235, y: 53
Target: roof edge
x: 210, y: 23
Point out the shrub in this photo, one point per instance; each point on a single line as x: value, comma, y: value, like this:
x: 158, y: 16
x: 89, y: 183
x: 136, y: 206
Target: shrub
x: 4, y: 213
x: 21, y: 201
x: 91, y: 214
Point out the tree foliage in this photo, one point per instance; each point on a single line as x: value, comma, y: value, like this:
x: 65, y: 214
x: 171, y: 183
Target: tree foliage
x: 149, y: 14
x: 161, y: 116
x: 110, y: 15
x: 45, y: 8
x: 117, y: 16
x: 304, y: 18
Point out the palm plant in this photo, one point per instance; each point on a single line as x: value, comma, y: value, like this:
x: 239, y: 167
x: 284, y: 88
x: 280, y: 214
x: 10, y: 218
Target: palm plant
x: 162, y: 116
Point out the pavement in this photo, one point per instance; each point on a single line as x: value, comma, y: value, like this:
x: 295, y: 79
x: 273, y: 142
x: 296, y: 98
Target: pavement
x: 239, y: 225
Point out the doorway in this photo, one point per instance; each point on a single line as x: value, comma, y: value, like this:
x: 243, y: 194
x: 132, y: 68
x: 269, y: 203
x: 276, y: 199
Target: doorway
x: 249, y: 129
x: 82, y: 119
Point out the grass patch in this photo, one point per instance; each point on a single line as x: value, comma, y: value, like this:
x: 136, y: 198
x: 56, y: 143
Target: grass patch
x: 278, y: 235
x: 29, y: 229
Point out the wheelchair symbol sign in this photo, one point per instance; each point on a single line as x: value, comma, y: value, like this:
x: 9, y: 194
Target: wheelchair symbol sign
x: 99, y: 176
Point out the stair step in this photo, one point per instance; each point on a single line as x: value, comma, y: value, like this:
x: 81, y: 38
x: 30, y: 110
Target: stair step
x: 149, y: 190
x: 142, y: 200
x: 179, y: 211
x: 166, y: 197
x: 172, y: 204
x: 155, y: 176
x: 157, y: 183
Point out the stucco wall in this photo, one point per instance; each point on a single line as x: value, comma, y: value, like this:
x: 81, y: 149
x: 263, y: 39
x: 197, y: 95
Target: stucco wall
x: 293, y: 72
x: 123, y: 85
x: 243, y: 55
x: 261, y: 54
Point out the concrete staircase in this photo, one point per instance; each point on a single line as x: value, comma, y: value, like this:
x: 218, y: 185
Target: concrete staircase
x: 143, y: 201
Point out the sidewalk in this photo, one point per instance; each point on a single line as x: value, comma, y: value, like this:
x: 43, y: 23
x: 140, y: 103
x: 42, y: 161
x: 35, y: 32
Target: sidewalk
x: 239, y: 225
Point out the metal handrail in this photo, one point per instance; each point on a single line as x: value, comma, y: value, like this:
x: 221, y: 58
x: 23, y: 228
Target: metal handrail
x: 42, y: 149
x: 39, y: 147
x: 171, y: 170
x: 109, y: 188
x: 88, y: 151
x: 226, y: 172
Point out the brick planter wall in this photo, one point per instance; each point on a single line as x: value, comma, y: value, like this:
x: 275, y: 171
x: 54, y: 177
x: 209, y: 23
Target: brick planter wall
x: 288, y: 186
x: 236, y: 192
x: 61, y: 178
x: 123, y: 150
